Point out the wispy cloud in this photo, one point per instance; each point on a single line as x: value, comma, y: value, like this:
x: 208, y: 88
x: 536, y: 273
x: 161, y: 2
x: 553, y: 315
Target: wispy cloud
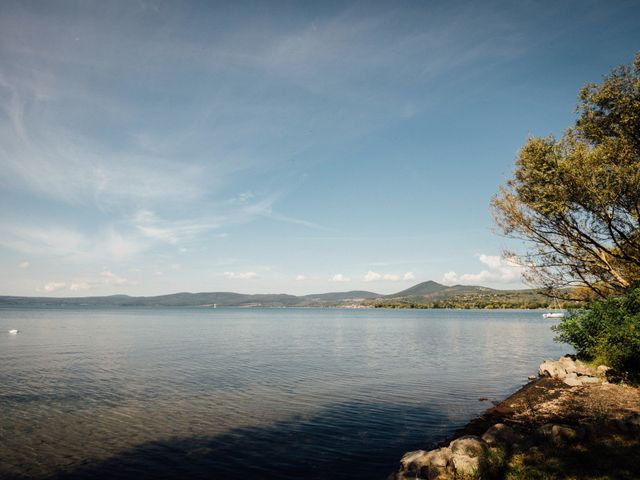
x: 210, y: 132
x: 24, y: 264
x: 150, y: 226
x: 69, y: 243
x: 240, y: 275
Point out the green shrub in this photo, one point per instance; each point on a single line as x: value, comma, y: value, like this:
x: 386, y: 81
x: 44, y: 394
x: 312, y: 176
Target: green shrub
x: 607, y: 331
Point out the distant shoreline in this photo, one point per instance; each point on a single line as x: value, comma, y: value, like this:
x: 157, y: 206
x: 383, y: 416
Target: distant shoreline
x: 421, y: 296
x: 255, y: 307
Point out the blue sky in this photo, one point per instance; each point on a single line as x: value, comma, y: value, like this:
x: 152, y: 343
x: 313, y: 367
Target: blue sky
x: 154, y: 147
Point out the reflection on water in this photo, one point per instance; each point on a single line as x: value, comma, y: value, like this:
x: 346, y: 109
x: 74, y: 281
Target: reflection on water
x: 283, y: 393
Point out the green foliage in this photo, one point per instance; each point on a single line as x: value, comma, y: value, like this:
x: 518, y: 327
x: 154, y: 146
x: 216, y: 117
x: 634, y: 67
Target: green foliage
x: 576, y: 199
x: 607, y: 331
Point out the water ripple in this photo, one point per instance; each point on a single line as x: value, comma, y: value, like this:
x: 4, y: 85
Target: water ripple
x: 173, y: 393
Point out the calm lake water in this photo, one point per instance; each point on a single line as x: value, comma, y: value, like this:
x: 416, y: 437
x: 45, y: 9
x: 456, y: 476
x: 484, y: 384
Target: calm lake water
x: 249, y: 393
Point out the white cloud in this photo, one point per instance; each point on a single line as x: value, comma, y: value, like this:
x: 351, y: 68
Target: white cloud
x: 450, y: 278
x: 372, y: 276
x: 492, y: 261
x: 501, y: 270
x: 53, y: 286
x: 111, y: 278
x: 389, y: 277
x: 24, y: 264
x: 240, y: 275
x: 300, y: 278
x: 338, y: 277
x: 77, y: 286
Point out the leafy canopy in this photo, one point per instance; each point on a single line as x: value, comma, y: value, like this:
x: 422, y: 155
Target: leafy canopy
x: 577, y: 199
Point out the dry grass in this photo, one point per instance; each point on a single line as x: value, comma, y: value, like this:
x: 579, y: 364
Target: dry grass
x: 608, y: 449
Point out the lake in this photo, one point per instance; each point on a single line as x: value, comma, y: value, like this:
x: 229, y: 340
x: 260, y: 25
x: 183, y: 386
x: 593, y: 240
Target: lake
x: 249, y: 393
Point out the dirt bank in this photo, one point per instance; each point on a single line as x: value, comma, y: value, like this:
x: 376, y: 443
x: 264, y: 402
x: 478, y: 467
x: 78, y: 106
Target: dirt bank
x: 546, y: 430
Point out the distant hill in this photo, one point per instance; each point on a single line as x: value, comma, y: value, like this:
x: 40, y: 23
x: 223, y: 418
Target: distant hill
x: 428, y: 294
x: 203, y: 299
x: 335, y: 296
x: 434, y: 295
x: 421, y: 289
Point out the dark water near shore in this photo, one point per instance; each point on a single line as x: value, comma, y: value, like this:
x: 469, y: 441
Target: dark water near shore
x: 244, y: 393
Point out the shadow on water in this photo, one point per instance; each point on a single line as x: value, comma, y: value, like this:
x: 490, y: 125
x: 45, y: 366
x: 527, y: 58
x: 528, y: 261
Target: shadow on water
x: 354, y: 440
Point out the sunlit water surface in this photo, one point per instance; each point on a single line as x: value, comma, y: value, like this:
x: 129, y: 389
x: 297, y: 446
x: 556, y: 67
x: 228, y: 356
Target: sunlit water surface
x: 249, y: 393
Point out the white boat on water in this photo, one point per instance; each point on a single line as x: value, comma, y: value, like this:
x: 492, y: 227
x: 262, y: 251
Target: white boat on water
x: 553, y: 315
x: 13, y: 331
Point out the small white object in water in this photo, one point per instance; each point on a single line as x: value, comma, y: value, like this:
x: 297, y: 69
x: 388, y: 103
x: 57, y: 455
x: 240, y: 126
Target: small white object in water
x: 13, y: 332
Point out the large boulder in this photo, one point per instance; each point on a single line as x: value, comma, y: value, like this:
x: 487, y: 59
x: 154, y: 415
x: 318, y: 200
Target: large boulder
x: 461, y: 459
x: 500, y: 434
x: 572, y: 379
x: 560, y: 435
x: 633, y: 421
x: 583, y: 369
x: 549, y: 368
x: 469, y: 445
x: 571, y: 371
x: 433, y: 465
x: 465, y: 466
x: 589, y: 380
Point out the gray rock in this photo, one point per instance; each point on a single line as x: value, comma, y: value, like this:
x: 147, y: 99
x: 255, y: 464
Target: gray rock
x: 567, y: 360
x: 545, y: 430
x: 441, y: 473
x: 500, y: 434
x: 465, y: 466
x: 434, y: 464
x: 587, y: 380
x: 560, y: 435
x: 469, y: 445
x: 633, y: 421
x: 568, y: 364
x: 602, y: 370
x: 549, y: 368
x: 439, y: 458
x: 572, y: 380
x: 411, y: 458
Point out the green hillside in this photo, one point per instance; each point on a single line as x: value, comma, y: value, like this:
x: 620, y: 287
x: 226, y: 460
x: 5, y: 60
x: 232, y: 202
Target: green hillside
x: 428, y: 294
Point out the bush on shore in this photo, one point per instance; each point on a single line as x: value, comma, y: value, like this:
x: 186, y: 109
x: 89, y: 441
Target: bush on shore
x: 606, y: 331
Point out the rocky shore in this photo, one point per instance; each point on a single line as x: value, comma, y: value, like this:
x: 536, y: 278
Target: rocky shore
x: 573, y: 421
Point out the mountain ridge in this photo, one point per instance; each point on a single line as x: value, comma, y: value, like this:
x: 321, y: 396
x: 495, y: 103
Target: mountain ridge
x: 424, y: 294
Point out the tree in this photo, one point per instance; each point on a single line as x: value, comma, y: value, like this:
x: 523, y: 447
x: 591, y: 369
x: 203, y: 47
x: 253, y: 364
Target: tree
x: 576, y: 199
